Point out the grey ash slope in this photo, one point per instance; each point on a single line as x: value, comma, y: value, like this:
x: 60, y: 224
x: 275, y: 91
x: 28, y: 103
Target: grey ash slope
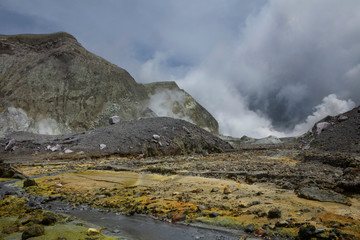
x: 50, y: 84
x: 339, y: 133
x: 150, y: 137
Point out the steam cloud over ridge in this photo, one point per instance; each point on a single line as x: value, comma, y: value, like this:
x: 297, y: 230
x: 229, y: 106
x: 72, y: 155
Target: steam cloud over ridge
x: 260, y: 67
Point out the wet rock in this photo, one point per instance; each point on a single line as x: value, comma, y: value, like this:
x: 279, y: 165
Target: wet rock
x: 178, y: 218
x: 114, y: 120
x: 29, y: 183
x: 33, y: 231
x: 213, y: 214
x: 249, y: 228
x: 274, y: 213
x: 306, y: 232
x: 322, y: 195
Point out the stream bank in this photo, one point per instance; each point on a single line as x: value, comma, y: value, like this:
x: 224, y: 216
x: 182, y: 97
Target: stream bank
x: 78, y: 219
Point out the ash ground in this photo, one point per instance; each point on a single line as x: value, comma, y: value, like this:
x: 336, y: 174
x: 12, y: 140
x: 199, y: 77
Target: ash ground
x: 239, y: 189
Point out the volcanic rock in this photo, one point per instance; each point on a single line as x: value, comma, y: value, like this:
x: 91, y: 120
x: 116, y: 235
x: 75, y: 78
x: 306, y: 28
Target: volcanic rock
x: 114, y: 119
x: 33, y: 231
x: 322, y: 195
x: 7, y: 171
x: 274, y: 213
x: 336, y: 133
x: 29, y: 183
x: 128, y: 138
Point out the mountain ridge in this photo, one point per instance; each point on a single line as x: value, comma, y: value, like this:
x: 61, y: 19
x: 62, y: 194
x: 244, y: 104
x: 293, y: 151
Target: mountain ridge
x: 50, y: 84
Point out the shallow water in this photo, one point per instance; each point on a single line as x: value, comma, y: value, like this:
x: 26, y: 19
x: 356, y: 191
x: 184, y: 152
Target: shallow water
x: 133, y: 227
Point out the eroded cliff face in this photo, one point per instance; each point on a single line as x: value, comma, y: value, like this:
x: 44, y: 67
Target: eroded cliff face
x: 50, y: 84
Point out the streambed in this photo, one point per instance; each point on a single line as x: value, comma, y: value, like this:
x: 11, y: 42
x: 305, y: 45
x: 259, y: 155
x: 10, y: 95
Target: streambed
x: 128, y: 227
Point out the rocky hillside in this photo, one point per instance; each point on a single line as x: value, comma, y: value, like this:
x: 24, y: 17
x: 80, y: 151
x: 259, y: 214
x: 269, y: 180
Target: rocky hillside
x: 50, y: 84
x: 339, y: 133
x: 167, y: 99
x: 147, y: 137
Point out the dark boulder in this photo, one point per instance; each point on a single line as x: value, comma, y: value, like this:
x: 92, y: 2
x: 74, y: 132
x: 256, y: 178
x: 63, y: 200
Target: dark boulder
x: 33, y: 231
x: 322, y: 195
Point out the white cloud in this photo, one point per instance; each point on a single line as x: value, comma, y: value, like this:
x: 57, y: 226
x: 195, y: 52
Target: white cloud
x: 330, y: 106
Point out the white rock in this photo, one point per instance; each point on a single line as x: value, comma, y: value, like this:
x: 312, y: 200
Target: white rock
x: 68, y: 151
x: 93, y: 231
x: 156, y: 137
x: 57, y: 147
x: 321, y: 126
x: 102, y: 146
x: 114, y: 120
x: 342, y: 118
x: 10, y: 145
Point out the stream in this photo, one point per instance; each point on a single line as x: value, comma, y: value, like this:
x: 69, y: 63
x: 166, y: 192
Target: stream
x: 136, y: 227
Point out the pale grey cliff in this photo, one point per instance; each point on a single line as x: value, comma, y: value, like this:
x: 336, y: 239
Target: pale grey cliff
x: 50, y: 84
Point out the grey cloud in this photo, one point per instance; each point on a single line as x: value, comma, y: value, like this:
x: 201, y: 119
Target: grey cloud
x: 294, y: 53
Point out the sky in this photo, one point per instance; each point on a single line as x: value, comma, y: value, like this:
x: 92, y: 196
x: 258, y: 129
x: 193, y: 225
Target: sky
x: 260, y: 67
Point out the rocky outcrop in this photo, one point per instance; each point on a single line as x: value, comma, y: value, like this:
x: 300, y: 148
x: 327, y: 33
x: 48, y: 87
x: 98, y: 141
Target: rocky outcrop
x: 339, y: 133
x: 50, y: 84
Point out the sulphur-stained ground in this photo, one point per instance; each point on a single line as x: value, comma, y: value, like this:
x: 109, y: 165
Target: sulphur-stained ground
x: 19, y: 221
x: 264, y: 192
